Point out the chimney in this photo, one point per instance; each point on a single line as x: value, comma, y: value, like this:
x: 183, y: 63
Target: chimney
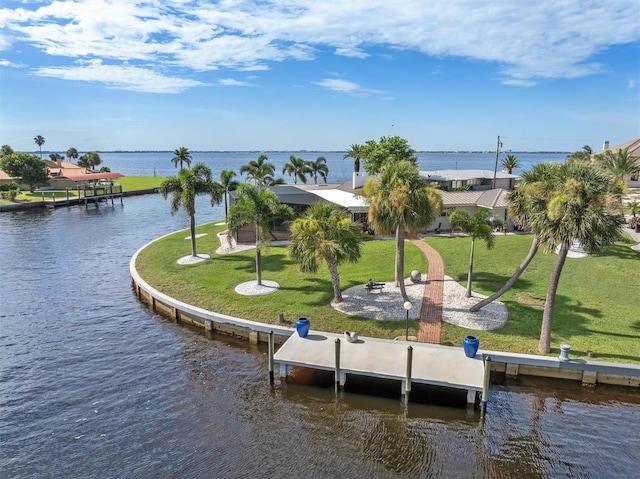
x: 59, y: 162
x: 605, y: 145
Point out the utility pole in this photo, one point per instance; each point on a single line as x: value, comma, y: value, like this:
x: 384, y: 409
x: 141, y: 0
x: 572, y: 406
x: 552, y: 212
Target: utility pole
x: 495, y: 169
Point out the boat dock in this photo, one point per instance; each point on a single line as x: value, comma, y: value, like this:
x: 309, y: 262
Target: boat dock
x: 408, y: 362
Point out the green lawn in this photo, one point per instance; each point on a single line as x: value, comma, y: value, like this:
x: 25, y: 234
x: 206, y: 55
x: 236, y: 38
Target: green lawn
x: 133, y: 183
x: 596, y: 306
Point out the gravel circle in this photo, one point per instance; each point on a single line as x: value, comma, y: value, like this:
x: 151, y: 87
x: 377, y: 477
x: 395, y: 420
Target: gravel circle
x: 251, y: 288
x: 193, y: 259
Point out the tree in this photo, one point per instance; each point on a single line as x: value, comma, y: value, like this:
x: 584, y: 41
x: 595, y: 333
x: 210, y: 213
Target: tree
x: 325, y: 233
x: 575, y: 203
x: 298, y: 168
x: 185, y: 187
x: 259, y: 171
x: 31, y: 169
x: 510, y: 163
x: 388, y: 150
x: 55, y: 156
x: 355, y: 152
x: 634, y: 206
x: 399, y: 199
x: 181, y: 156
x: 319, y: 168
x: 524, y: 204
x: 90, y: 160
x: 258, y: 206
x: 477, y: 225
x: 228, y: 184
x: 581, y: 155
x: 72, y: 153
x: 39, y: 141
x: 6, y: 150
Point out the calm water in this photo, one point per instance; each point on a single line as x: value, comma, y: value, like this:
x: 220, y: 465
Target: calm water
x: 159, y: 163
x: 94, y: 385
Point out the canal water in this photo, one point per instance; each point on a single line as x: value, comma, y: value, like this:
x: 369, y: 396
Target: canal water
x: 92, y: 384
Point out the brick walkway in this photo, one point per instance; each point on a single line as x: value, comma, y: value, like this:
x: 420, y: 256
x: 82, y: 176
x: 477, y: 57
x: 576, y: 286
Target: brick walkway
x: 431, y: 313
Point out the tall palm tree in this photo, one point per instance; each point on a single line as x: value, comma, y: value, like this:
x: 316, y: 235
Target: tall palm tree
x: 228, y: 184
x: 72, y: 154
x: 355, y: 152
x: 581, y: 155
x: 325, y: 233
x: 319, y: 168
x: 184, y: 188
x: 399, y: 199
x: 574, y: 204
x: 523, y: 203
x: 39, y: 141
x: 510, y: 163
x: 182, y: 156
x: 259, y: 171
x: 298, y: 168
x: 477, y: 225
x: 258, y: 206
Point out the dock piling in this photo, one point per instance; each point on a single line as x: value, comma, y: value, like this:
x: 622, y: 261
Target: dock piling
x: 407, y: 384
x: 271, y: 356
x: 337, y: 365
x: 485, y: 384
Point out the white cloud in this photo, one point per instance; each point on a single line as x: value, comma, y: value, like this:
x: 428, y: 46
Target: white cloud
x: 631, y: 84
x: 527, y: 41
x: 232, y: 82
x: 343, y: 86
x: 121, y: 77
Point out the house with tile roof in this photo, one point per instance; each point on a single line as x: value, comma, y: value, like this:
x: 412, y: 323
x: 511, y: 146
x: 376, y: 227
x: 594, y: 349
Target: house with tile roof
x: 474, y: 180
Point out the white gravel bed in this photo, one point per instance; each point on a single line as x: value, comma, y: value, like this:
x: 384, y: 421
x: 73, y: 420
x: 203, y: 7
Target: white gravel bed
x: 456, y: 306
x: 193, y: 259
x: 251, y: 288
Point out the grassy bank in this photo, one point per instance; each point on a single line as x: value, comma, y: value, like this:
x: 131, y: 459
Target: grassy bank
x: 596, y: 306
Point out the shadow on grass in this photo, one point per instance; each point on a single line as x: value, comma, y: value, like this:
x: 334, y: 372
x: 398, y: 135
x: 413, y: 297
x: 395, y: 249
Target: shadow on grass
x: 620, y: 250
x: 494, y: 282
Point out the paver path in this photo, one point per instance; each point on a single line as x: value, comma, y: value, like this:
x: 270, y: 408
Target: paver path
x: 430, y: 324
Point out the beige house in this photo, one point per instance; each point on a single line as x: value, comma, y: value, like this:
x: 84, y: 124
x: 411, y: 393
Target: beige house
x: 633, y: 146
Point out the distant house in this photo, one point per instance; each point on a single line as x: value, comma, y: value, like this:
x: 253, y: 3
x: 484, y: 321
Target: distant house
x: 300, y: 196
x: 633, y: 147
x: 473, y: 180
x: 65, y: 174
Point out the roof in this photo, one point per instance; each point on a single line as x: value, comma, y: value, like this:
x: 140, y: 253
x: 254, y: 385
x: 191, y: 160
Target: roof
x: 331, y: 192
x: 461, y: 175
x: 633, y: 146
x: 489, y: 198
x: 5, y: 176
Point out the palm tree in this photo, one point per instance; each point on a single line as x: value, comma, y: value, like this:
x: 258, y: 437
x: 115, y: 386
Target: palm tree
x: 510, y: 163
x: 325, y: 233
x: 258, y: 206
x: 298, y: 168
x: 39, y: 141
x: 619, y: 165
x: 55, y: 156
x: 72, y: 153
x: 355, y: 152
x: 634, y: 206
x: 90, y: 160
x: 523, y: 205
x: 259, y: 171
x: 477, y: 225
x: 181, y: 155
x: 319, y: 167
x: 399, y: 199
x: 574, y: 204
x: 184, y: 188
x: 228, y: 184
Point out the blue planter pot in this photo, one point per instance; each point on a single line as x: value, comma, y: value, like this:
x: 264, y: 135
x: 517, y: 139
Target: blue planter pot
x: 302, y: 326
x: 470, y: 344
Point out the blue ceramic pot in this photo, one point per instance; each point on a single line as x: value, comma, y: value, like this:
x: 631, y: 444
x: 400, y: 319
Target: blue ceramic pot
x: 302, y: 326
x: 470, y: 344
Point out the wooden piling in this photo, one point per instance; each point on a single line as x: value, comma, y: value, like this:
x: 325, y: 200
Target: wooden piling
x: 337, y: 364
x: 485, y: 384
x: 407, y: 384
x: 271, y: 347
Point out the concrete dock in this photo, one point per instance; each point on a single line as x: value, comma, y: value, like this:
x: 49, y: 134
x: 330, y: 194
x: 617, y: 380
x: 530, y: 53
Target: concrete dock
x: 382, y: 358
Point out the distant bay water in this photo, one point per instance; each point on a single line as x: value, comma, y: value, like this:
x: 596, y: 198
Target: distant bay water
x: 159, y: 163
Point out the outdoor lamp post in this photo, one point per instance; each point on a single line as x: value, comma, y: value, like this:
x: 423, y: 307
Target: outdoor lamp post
x: 407, y: 305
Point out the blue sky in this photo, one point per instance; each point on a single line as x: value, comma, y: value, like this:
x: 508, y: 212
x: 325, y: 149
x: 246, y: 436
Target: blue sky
x: 549, y: 75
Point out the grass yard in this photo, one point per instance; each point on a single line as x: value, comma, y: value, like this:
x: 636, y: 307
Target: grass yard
x: 596, y: 308
x: 211, y: 284
x: 134, y: 183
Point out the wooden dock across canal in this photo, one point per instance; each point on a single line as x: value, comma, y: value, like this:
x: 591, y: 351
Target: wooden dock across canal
x: 382, y: 358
